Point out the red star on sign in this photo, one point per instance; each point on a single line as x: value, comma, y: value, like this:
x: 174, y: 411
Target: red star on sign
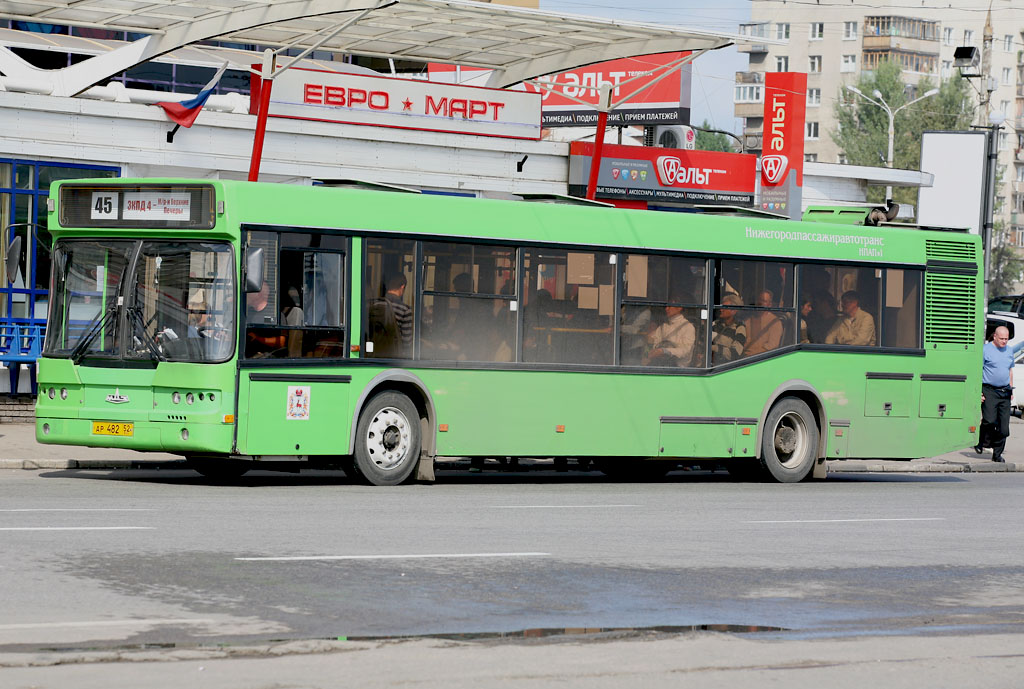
x: 406, y: 104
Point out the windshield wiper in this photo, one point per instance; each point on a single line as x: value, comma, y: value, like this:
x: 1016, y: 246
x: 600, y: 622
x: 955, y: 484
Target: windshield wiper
x: 140, y: 335
x: 81, y: 349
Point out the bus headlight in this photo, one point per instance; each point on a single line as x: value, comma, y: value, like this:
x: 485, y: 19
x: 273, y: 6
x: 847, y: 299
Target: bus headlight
x: 189, y: 398
x: 63, y: 393
x: 176, y: 397
x: 50, y: 393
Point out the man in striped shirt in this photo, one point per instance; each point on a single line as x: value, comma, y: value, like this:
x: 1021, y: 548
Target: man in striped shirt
x: 728, y: 336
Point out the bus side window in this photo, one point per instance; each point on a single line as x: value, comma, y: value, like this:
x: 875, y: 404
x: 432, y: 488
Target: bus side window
x: 568, y: 307
x: 841, y: 305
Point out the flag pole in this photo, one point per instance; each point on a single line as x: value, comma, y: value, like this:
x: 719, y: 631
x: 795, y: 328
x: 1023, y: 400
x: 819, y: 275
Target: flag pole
x: 602, y: 125
x: 266, y: 81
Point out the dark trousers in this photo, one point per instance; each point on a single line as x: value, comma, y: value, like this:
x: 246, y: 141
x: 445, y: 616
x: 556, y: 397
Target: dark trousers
x: 995, y: 418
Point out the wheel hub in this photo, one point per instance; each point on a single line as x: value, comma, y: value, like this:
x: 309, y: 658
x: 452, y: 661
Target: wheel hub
x: 387, y: 438
x: 785, y: 439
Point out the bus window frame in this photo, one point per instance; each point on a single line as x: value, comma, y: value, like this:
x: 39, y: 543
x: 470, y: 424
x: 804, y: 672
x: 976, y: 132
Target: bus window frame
x: 620, y: 252
x: 347, y: 235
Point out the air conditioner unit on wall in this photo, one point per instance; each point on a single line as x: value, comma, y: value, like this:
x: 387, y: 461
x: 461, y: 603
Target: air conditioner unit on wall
x: 675, y: 136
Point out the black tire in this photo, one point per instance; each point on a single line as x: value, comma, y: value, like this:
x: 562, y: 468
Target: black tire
x: 789, y: 443
x: 387, y: 446
x: 219, y: 468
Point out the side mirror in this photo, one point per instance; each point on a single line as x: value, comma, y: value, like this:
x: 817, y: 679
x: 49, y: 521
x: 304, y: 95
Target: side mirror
x: 13, y: 258
x: 253, y: 269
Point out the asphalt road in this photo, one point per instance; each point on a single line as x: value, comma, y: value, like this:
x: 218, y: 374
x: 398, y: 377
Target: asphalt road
x: 118, y: 561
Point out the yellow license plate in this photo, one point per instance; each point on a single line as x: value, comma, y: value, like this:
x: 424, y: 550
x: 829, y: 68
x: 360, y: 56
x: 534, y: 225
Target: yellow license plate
x: 113, y: 428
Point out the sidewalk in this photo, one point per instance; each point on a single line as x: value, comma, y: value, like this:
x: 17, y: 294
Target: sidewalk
x: 19, y: 450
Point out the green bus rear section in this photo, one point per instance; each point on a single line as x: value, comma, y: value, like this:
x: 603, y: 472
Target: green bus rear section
x: 867, y: 404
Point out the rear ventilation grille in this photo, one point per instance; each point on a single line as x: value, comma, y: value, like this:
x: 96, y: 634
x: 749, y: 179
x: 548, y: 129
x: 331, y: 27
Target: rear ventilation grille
x: 948, y: 250
x: 950, y: 307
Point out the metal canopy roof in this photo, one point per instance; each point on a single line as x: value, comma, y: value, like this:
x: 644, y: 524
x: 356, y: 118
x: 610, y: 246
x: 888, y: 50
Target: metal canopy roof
x: 517, y: 43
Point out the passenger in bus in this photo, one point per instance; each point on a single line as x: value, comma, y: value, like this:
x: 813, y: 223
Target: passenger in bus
x: 634, y: 333
x: 728, y: 335
x: 764, y: 329
x: 673, y: 340
x: 816, y: 324
x: 391, y: 321
x: 855, y: 327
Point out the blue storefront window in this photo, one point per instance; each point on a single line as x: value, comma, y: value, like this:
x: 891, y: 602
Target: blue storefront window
x: 24, y: 188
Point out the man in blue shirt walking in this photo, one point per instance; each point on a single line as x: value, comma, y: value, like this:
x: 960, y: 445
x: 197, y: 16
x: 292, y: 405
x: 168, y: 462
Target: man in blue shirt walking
x: 996, y: 391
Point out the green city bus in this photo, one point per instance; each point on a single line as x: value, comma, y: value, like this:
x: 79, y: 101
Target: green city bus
x: 245, y: 325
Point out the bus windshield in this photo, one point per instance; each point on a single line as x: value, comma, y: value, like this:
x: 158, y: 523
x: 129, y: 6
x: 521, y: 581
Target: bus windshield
x: 176, y: 303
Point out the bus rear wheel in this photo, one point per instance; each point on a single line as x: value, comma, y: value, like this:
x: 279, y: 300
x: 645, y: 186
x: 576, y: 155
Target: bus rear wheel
x: 388, y: 440
x: 789, y: 443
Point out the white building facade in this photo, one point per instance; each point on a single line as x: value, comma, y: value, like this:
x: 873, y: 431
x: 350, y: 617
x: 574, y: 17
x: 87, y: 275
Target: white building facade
x: 834, y: 41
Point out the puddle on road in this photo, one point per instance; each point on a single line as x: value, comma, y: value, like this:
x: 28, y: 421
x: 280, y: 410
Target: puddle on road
x: 544, y: 632
x: 535, y: 633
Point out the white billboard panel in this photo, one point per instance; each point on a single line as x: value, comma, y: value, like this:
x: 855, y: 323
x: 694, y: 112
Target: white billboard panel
x: 956, y: 197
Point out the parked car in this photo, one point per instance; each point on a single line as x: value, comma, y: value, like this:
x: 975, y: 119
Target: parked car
x: 1007, y: 303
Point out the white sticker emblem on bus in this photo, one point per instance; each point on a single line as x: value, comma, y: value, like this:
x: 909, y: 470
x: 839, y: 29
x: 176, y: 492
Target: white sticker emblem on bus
x: 117, y: 397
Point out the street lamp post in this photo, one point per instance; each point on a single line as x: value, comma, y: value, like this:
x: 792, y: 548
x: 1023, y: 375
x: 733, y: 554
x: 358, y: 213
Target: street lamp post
x: 880, y: 102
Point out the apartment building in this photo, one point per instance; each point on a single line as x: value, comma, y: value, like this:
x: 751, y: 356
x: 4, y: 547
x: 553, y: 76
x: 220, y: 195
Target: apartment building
x: 835, y: 41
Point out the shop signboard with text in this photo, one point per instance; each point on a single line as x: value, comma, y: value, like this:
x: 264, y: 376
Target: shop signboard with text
x: 648, y: 174
x: 782, y: 149
x: 659, y: 101
x: 325, y: 96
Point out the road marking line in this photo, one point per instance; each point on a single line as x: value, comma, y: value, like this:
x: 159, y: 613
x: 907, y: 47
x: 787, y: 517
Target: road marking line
x: 548, y: 507
x: 839, y: 521
x: 298, y: 558
x: 75, y: 528
x: 101, y: 623
x: 80, y: 509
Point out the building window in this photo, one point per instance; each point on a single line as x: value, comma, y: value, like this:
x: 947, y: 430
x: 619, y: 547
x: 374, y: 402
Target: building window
x: 1006, y: 76
x: 24, y: 188
x: 947, y: 35
x: 1018, y: 237
x: 810, y: 157
x: 817, y: 31
x: 1004, y: 107
x: 1007, y: 43
x: 849, y: 31
x: 1004, y: 141
x: 947, y: 69
x: 814, y: 63
x: 968, y: 37
x: 748, y: 93
x: 782, y: 32
x: 1020, y: 173
x: 813, y: 97
x: 781, y: 63
x: 759, y: 30
x: 849, y: 63
x: 812, y: 130
x: 842, y: 159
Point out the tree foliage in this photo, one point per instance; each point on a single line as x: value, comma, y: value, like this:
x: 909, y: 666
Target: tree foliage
x: 1006, y: 267
x: 712, y: 141
x: 863, y: 127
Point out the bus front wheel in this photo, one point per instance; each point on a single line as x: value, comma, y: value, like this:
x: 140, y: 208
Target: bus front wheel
x: 388, y: 440
x: 789, y: 444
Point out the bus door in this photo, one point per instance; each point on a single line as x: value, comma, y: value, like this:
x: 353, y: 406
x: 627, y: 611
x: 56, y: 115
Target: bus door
x: 293, y: 397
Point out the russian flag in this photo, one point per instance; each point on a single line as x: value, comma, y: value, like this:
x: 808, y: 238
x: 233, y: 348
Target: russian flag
x: 186, y: 112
